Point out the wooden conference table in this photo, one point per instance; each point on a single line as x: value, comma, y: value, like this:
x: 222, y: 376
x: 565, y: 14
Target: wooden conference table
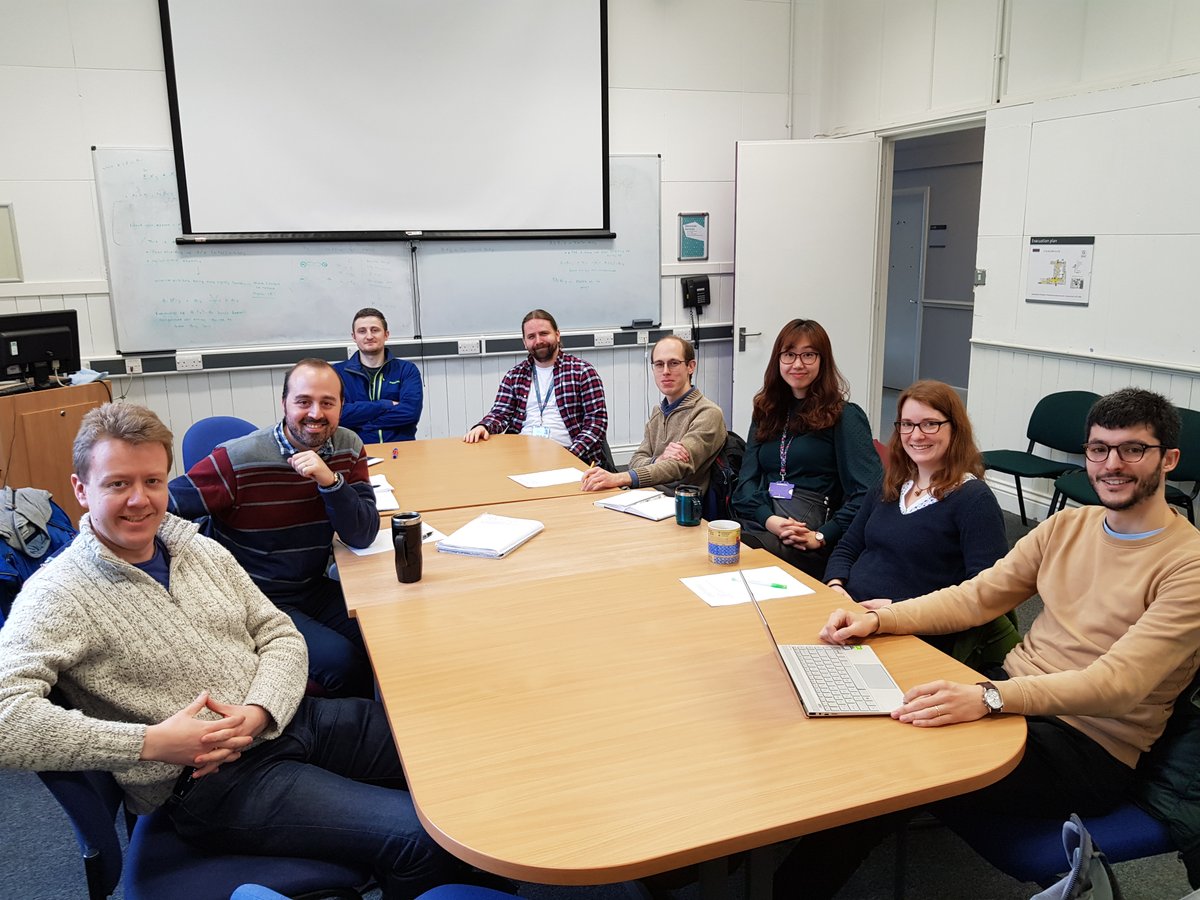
x: 573, y: 714
x: 447, y: 473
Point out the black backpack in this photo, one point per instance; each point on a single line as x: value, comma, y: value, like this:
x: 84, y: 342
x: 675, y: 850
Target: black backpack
x: 718, y: 500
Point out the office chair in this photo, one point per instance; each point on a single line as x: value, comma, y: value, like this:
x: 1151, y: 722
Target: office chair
x: 159, y: 863
x: 1031, y: 849
x: 204, y: 435
x: 1189, y: 464
x: 1076, y: 487
x: 1057, y: 422
x: 605, y: 459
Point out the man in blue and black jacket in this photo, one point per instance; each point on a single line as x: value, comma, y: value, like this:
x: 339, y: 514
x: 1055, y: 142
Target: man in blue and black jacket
x: 383, y: 392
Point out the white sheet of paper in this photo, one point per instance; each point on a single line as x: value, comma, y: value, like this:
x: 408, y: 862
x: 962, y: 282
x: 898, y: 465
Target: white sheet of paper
x: 726, y: 588
x: 374, y: 460
x: 380, y: 483
x: 381, y: 544
x: 548, y: 479
x: 383, y: 540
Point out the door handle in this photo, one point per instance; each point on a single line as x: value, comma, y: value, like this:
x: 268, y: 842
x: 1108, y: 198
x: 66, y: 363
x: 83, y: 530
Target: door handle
x: 742, y: 335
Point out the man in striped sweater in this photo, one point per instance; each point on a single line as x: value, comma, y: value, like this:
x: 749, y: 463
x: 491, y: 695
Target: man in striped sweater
x: 275, y: 497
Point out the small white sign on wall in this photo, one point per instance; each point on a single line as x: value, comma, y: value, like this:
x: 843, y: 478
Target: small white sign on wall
x: 10, y: 259
x: 1060, y: 270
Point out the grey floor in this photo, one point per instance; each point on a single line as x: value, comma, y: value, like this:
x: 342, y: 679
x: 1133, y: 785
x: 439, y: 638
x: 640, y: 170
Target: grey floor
x: 39, y: 859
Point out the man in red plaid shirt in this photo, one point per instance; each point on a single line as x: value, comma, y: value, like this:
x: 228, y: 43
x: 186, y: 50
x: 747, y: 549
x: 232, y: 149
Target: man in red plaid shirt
x: 549, y: 394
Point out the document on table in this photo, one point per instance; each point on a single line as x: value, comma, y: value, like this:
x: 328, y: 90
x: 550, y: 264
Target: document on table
x: 727, y: 589
x: 490, y: 536
x: 548, y: 479
x: 385, y: 500
x: 651, y: 505
x: 383, y: 541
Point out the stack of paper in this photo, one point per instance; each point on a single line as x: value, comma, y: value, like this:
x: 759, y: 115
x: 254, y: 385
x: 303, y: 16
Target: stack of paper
x: 647, y: 504
x: 548, y: 479
x: 385, y: 500
x: 490, y: 536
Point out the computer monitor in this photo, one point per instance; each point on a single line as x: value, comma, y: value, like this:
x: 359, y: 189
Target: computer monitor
x: 42, y: 347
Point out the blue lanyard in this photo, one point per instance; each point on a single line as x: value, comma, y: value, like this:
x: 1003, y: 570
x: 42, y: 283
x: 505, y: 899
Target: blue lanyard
x: 537, y: 386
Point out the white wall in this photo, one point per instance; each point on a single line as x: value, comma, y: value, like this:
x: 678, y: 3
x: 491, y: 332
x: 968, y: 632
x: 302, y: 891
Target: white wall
x: 1091, y: 129
x: 895, y: 63
x: 687, y: 80
x: 1119, y: 165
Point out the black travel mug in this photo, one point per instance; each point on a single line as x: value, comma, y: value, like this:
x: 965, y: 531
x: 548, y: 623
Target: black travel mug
x: 406, y: 538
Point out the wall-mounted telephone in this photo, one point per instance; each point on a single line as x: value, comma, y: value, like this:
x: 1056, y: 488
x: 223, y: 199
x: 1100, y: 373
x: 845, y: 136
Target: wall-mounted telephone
x: 696, y: 292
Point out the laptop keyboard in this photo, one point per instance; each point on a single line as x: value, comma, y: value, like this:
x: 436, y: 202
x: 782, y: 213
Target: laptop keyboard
x: 829, y: 673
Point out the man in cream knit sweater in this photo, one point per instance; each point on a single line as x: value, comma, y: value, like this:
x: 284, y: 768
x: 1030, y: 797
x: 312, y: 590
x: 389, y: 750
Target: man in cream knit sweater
x: 1099, y: 671
x: 187, y: 683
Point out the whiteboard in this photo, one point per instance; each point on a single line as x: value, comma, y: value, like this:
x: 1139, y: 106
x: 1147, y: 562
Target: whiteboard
x: 166, y: 296
x: 169, y: 297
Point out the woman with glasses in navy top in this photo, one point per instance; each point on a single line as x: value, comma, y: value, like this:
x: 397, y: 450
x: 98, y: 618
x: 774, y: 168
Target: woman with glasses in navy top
x: 933, y: 522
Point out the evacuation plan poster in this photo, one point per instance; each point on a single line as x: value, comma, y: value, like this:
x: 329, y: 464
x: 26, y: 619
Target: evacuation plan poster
x: 1060, y: 270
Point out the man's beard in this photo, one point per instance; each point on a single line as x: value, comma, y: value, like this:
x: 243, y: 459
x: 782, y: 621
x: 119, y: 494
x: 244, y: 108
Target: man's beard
x: 1142, y: 488
x: 541, y: 354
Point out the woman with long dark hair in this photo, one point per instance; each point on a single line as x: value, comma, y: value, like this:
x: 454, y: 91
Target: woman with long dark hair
x: 809, y: 458
x: 932, y: 523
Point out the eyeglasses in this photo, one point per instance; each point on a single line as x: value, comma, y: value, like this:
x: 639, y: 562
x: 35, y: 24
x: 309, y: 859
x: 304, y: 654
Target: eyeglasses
x: 1129, y: 451
x: 808, y: 357
x: 929, y: 426
x: 673, y: 364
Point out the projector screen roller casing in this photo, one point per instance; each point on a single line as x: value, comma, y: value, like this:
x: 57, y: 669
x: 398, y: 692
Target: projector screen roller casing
x: 360, y: 116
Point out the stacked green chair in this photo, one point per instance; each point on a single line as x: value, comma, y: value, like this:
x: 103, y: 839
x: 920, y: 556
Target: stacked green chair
x: 1057, y: 422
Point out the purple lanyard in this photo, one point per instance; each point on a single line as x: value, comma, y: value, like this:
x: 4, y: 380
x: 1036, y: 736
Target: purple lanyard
x: 784, y: 443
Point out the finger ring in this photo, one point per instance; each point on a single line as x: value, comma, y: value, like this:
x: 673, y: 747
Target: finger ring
x: 937, y: 710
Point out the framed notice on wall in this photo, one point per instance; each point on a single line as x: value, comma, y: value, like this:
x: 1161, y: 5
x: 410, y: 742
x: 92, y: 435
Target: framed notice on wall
x: 1060, y: 270
x: 693, y: 236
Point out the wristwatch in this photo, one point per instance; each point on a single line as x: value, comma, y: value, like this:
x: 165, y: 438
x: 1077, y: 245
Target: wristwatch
x: 991, y: 698
x: 820, y: 538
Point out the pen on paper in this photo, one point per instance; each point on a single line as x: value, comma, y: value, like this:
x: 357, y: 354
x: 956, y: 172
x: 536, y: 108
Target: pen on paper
x: 772, y: 584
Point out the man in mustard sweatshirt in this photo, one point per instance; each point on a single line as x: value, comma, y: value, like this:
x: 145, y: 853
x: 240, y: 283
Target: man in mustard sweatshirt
x: 1097, y: 674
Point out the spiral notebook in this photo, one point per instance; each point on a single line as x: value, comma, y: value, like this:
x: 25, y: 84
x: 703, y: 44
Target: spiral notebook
x: 647, y: 504
x: 490, y: 536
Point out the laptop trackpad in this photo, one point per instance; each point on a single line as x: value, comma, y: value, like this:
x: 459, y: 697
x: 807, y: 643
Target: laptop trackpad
x: 875, y: 676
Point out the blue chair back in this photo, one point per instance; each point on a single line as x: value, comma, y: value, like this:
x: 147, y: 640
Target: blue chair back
x: 159, y: 863
x: 206, y: 434
x: 1031, y: 849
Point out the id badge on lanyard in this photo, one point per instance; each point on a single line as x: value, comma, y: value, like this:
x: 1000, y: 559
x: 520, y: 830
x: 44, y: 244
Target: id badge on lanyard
x: 782, y: 489
x: 540, y: 430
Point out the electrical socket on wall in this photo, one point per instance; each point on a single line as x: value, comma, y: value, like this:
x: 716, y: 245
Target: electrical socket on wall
x: 604, y: 338
x: 133, y: 365
x: 466, y: 348
x: 643, y: 337
x: 189, y: 362
x: 684, y: 333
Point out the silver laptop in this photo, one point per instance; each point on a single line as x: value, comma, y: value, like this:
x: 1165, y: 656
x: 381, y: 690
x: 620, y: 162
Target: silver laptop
x: 832, y: 680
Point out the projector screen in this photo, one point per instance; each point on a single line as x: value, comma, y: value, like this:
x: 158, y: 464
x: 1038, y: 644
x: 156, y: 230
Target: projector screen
x: 298, y: 119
